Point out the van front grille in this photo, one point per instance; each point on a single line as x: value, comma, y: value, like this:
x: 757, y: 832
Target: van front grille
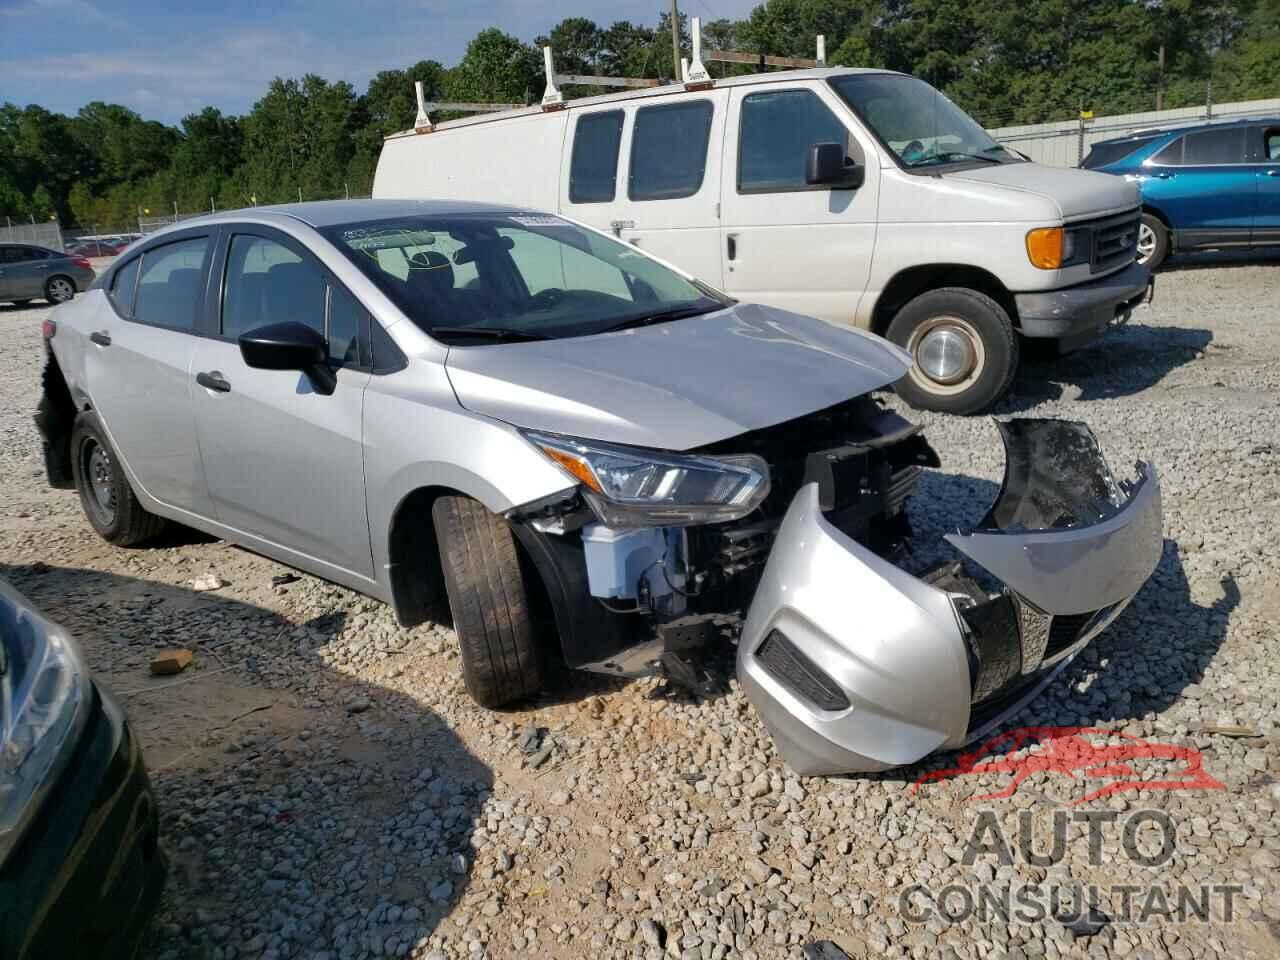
x: 1115, y: 241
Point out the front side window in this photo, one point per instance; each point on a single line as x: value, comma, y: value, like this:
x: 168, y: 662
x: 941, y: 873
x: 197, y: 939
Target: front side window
x: 1212, y: 147
x: 777, y: 130
x: 530, y: 276
x: 921, y: 126
x: 124, y: 284
x: 266, y: 283
x: 669, y: 150
x: 593, y: 169
x: 169, y: 284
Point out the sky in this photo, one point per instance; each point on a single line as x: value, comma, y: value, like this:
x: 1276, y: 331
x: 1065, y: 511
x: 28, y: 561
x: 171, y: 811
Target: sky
x: 168, y: 58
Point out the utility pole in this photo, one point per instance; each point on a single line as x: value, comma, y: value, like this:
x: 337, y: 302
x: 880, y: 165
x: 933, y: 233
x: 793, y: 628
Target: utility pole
x: 1160, y: 84
x: 675, y: 41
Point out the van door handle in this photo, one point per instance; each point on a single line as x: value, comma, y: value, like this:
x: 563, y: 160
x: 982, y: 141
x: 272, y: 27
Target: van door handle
x: 214, y: 381
x: 731, y: 243
x: 617, y: 226
x: 102, y: 339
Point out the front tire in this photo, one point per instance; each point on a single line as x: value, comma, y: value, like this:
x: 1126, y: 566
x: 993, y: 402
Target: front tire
x: 108, y: 501
x: 963, y: 348
x: 59, y: 289
x: 489, y: 598
x: 1153, y: 241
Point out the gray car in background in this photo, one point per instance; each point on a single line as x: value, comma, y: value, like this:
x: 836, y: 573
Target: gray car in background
x: 28, y: 272
x: 581, y: 453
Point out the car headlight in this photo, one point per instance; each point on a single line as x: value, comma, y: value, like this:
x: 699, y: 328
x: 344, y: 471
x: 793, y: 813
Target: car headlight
x: 44, y: 701
x: 629, y: 487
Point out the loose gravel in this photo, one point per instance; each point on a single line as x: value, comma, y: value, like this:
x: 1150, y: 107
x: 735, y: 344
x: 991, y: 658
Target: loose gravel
x: 328, y: 790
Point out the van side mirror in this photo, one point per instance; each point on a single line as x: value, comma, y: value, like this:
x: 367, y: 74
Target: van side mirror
x: 290, y: 346
x: 827, y: 166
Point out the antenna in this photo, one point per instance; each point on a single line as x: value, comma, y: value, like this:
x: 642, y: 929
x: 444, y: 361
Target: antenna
x: 822, y: 50
x: 423, y: 123
x: 552, y: 99
x: 696, y: 74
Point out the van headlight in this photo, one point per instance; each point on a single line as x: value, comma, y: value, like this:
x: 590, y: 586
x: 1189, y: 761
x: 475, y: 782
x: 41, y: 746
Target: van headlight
x: 44, y: 702
x: 631, y: 487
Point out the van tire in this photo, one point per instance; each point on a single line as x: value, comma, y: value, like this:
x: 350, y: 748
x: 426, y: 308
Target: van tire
x: 109, y: 503
x: 1154, y: 235
x: 983, y: 331
x: 488, y: 597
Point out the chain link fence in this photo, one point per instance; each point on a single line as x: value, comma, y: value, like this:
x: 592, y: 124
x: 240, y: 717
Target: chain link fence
x: 47, y: 234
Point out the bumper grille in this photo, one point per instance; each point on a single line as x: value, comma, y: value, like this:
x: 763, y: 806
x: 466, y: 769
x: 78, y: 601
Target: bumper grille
x: 798, y: 673
x: 1115, y: 241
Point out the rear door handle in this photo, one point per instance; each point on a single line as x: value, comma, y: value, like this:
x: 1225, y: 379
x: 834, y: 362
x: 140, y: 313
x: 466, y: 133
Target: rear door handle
x: 100, y: 338
x: 214, y: 381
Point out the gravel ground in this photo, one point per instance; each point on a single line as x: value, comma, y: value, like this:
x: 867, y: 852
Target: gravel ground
x: 328, y: 789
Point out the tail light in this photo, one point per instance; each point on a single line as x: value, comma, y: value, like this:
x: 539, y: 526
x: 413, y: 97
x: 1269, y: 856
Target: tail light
x: 82, y: 262
x: 48, y: 329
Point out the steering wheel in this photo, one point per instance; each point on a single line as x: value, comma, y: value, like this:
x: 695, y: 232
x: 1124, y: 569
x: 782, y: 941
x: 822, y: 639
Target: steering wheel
x: 914, y: 147
x: 547, y: 299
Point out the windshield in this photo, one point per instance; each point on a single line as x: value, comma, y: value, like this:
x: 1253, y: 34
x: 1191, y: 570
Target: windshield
x: 917, y: 122
x: 477, y: 277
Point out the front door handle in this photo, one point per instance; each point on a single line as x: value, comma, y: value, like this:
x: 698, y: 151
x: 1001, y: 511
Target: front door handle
x: 214, y: 381
x: 101, y: 338
x: 1273, y: 172
x: 1163, y: 175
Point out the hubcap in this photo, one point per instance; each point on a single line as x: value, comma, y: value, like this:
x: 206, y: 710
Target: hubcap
x: 948, y: 354
x: 98, y: 473
x: 61, y: 290
x: 1146, y: 243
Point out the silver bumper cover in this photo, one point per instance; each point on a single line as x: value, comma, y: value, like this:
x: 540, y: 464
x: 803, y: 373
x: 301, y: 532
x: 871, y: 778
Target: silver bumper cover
x: 856, y: 665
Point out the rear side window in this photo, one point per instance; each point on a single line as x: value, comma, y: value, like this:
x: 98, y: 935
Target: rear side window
x: 593, y: 170
x: 124, y: 284
x: 1271, y: 144
x: 14, y: 254
x: 777, y: 131
x: 1104, y: 154
x: 669, y: 150
x: 266, y: 283
x: 169, y: 284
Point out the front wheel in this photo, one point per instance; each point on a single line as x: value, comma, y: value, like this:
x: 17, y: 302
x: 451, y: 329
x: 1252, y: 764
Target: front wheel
x: 1153, y: 241
x: 963, y: 349
x: 59, y: 290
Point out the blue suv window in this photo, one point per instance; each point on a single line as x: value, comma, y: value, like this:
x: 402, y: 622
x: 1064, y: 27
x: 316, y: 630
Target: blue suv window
x: 1206, y: 148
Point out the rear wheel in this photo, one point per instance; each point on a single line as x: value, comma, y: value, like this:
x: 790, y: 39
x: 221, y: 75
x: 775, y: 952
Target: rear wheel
x: 963, y: 349
x: 1153, y: 241
x: 489, y: 598
x: 59, y: 290
x: 105, y: 495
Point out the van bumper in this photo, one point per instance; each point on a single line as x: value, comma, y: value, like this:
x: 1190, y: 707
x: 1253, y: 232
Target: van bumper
x: 1086, y: 310
x: 855, y: 665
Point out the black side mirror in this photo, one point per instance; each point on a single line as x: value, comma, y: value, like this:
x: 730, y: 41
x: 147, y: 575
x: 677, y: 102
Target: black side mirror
x: 826, y: 165
x: 290, y: 346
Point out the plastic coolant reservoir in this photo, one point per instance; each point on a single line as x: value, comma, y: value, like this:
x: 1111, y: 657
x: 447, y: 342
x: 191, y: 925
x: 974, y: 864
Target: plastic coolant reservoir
x: 617, y: 559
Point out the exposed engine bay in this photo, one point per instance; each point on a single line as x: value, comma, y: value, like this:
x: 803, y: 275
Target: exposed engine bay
x: 854, y: 661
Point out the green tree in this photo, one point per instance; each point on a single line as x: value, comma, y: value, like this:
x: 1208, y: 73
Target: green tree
x: 497, y: 68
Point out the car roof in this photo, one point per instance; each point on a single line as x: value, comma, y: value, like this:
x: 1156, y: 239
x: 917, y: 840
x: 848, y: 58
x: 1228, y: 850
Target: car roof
x: 1149, y: 132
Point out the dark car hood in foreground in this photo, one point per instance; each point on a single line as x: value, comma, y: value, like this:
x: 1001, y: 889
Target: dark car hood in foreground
x: 676, y: 385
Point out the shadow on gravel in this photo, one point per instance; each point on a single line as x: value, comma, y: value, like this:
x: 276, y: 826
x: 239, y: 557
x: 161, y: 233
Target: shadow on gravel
x: 1212, y: 259
x: 303, y: 810
x: 1126, y: 361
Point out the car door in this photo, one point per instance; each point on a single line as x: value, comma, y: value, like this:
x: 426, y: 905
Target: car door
x: 1266, y: 219
x: 1205, y: 185
x: 284, y: 462
x: 22, y: 272
x: 137, y: 367
x: 648, y: 170
x: 787, y: 244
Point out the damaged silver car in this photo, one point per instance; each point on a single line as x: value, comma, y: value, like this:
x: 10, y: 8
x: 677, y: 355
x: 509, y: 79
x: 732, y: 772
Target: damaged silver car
x: 577, y: 451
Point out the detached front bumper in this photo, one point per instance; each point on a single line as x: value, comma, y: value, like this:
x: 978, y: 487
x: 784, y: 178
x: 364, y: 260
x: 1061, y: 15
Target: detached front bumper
x: 1082, y: 312
x: 856, y: 665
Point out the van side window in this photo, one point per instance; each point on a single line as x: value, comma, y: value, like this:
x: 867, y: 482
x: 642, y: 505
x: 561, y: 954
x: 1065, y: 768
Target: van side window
x: 669, y: 150
x: 171, y: 284
x: 123, y: 286
x: 593, y: 171
x: 776, y: 131
x: 1215, y: 147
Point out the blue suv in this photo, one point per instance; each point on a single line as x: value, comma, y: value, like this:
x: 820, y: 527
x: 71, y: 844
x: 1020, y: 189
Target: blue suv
x: 1208, y: 186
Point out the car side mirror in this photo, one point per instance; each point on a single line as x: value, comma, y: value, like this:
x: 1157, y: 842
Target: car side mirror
x: 290, y: 346
x: 827, y: 166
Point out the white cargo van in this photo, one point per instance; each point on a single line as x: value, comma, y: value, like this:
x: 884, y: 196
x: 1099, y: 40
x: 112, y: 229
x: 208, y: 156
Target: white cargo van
x: 863, y: 197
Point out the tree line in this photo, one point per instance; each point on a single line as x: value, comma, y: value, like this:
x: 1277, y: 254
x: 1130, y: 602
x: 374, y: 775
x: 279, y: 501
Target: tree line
x: 1005, y: 61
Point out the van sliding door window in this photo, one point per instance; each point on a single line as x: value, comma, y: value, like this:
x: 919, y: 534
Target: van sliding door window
x: 777, y: 130
x: 593, y: 171
x: 669, y: 150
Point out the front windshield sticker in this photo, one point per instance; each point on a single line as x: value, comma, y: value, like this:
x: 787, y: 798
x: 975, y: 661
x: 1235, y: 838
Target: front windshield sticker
x: 539, y: 221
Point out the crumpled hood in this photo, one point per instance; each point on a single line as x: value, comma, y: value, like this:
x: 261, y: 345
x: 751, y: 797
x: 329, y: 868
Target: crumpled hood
x: 1078, y: 193
x: 676, y: 385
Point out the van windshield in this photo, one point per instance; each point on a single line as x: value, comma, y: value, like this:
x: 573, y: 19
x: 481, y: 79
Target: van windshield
x: 477, y: 278
x: 921, y: 126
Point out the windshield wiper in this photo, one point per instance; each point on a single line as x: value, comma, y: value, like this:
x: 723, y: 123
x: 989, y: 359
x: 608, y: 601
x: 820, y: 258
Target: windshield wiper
x: 489, y: 333
x: 664, y: 316
x: 955, y: 155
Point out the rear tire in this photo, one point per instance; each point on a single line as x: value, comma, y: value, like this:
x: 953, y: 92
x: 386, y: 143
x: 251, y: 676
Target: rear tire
x: 963, y: 347
x: 489, y: 599
x: 59, y: 289
x: 108, y: 501
x: 1153, y: 241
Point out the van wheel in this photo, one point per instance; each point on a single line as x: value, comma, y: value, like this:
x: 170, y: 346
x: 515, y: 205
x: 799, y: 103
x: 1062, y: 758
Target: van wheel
x: 105, y: 495
x: 1153, y: 241
x: 963, y: 349
x: 486, y: 583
